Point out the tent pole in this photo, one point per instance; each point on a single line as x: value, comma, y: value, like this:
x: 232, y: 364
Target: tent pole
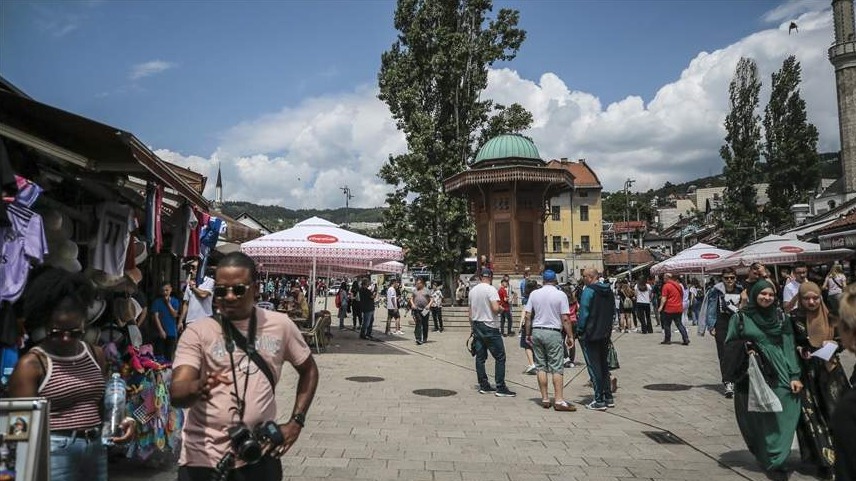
x: 329, y: 269
x: 312, y: 291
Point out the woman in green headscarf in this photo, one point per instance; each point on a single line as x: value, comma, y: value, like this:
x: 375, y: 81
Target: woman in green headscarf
x: 768, y: 435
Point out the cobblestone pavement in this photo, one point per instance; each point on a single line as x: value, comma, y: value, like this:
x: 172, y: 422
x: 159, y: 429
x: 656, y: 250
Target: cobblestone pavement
x: 382, y: 430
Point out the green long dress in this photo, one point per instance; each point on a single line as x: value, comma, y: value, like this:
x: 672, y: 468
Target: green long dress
x: 768, y: 435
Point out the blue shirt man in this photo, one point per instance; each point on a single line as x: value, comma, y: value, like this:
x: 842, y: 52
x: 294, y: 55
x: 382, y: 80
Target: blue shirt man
x: 165, y: 310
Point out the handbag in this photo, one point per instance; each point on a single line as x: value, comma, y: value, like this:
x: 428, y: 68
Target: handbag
x: 611, y: 357
x: 762, y: 399
x: 627, y: 303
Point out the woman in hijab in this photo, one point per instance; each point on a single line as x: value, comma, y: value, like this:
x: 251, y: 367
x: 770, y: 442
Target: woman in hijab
x: 768, y: 435
x: 844, y: 416
x: 825, y: 382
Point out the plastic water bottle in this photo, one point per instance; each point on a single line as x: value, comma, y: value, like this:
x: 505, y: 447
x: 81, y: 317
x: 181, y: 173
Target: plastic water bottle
x: 114, y: 408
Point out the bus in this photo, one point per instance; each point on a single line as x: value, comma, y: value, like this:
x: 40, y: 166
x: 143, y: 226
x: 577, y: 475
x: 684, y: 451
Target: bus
x: 560, y: 267
x: 469, y: 276
x: 468, y: 272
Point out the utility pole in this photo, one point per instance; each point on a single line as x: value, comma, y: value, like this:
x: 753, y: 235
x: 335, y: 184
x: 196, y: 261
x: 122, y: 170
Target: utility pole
x: 347, y: 191
x: 627, y: 184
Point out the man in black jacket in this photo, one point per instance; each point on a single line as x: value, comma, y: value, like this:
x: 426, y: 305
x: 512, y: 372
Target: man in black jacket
x: 594, y: 329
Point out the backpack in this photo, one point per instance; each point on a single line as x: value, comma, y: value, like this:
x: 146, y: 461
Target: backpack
x: 601, y: 313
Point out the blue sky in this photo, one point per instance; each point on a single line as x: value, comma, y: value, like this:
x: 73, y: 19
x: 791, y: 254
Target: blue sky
x: 269, y: 87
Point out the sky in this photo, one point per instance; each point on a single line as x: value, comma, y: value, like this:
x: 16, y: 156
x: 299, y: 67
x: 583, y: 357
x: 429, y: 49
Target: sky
x: 282, y: 95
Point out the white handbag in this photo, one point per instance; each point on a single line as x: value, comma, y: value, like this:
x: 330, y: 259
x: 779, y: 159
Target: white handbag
x: 762, y: 399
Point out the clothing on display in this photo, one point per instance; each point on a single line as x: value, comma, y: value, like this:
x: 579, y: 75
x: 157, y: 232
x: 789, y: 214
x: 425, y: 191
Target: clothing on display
x: 22, y: 242
x: 154, y: 202
x: 116, y: 222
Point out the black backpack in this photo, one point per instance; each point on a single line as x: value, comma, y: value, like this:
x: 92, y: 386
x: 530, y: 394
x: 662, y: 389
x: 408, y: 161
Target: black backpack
x: 601, y: 314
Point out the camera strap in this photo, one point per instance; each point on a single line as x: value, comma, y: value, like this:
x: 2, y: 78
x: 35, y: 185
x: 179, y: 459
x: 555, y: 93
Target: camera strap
x: 243, y: 344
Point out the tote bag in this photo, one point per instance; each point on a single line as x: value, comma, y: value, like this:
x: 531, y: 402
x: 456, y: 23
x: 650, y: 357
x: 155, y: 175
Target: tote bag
x: 762, y: 399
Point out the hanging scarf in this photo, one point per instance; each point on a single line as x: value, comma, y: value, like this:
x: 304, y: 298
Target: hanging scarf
x: 766, y: 318
x: 817, y: 321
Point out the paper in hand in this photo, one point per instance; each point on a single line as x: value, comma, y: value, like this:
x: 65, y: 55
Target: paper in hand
x: 826, y: 352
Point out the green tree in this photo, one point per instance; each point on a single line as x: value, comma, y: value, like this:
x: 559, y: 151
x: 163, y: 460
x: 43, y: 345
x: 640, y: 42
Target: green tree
x: 741, y: 154
x: 432, y: 79
x: 790, y: 148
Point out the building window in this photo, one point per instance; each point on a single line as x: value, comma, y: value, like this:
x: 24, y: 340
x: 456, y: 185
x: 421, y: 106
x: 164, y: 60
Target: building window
x: 585, y: 243
x: 557, y: 243
x: 556, y: 211
x: 583, y: 193
x: 584, y: 213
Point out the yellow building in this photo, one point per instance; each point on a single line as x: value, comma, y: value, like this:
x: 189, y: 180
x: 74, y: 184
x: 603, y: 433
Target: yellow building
x: 573, y: 229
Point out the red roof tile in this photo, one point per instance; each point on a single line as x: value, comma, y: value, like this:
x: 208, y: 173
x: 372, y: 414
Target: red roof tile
x: 584, y: 176
x: 637, y: 256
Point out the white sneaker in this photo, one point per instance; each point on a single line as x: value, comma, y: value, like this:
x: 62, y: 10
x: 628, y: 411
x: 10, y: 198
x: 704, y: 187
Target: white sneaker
x: 532, y: 369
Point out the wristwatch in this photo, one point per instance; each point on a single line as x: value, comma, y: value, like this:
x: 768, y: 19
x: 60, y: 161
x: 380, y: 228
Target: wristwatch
x: 299, y: 418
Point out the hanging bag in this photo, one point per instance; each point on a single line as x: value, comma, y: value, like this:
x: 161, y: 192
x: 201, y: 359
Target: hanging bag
x: 762, y: 399
x: 611, y: 356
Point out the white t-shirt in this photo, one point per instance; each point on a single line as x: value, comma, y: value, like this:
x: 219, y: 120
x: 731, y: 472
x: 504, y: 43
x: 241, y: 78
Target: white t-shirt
x: 834, y: 289
x: 116, y: 222
x: 391, y: 298
x: 643, y: 297
x: 481, y: 297
x: 198, y: 308
x: 792, y: 288
x: 547, y: 304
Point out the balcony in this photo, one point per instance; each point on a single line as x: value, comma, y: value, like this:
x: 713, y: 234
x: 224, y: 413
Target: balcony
x: 843, y: 54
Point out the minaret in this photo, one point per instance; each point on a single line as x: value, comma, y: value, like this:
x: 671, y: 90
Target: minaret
x: 842, y: 54
x: 218, y: 189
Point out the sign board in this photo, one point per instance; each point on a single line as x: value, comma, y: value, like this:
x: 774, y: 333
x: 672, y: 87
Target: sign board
x: 24, y: 439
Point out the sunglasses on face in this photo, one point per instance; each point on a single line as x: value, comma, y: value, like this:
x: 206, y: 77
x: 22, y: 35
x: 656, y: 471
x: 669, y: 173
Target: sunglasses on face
x: 238, y: 290
x: 728, y: 278
x: 72, y: 333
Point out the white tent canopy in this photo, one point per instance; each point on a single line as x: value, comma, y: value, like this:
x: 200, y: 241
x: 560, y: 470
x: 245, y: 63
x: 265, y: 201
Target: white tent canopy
x: 315, y: 245
x: 321, y: 243
x: 694, y: 259
x: 776, y: 249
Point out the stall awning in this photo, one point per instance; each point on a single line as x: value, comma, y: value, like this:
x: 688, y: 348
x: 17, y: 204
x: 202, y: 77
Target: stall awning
x: 845, y: 239
x: 87, y: 144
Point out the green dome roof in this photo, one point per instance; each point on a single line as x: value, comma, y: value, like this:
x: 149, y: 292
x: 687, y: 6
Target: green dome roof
x: 508, y: 147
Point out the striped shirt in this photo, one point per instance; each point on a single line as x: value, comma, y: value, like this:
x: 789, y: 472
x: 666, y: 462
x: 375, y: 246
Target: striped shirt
x: 74, y: 385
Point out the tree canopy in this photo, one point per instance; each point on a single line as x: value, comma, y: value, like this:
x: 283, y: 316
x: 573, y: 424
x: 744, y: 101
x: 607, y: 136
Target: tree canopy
x: 432, y: 79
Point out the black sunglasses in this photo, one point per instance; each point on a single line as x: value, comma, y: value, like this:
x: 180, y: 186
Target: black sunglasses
x: 72, y: 333
x: 238, y: 290
x: 728, y: 278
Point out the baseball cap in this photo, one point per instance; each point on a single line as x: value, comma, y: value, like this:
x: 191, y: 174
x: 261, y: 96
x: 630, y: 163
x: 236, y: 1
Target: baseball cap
x: 487, y: 272
x: 548, y: 276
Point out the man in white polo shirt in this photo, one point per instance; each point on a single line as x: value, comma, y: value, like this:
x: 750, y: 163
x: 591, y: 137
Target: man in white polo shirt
x: 198, y: 299
x: 484, y: 317
x: 546, y: 313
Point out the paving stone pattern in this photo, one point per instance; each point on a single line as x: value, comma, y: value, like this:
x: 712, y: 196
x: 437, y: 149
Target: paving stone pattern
x: 383, y: 431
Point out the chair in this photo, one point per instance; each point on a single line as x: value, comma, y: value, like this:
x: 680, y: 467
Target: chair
x: 318, y: 333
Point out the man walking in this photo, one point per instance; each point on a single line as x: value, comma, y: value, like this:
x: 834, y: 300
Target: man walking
x: 505, y: 314
x: 198, y: 300
x: 671, y: 309
x: 437, y: 306
x: 721, y: 302
x: 546, y: 314
x: 420, y: 307
x: 367, y: 307
x: 594, y: 329
x: 792, y: 288
x: 483, y: 313
x: 392, y: 311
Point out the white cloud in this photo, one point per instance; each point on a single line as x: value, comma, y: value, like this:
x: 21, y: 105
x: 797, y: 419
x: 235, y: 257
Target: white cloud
x: 147, y: 69
x: 791, y: 9
x: 301, y: 155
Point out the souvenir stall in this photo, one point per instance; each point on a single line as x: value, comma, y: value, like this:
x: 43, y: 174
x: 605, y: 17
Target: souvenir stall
x: 86, y: 197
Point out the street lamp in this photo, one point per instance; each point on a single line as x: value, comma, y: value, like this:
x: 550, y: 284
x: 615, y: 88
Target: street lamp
x: 627, y: 184
x: 347, y: 191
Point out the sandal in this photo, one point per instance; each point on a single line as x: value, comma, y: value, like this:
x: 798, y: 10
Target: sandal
x: 545, y: 403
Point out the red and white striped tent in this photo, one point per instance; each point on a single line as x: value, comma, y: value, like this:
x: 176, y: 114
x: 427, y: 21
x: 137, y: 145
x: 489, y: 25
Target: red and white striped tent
x: 694, y: 259
x: 776, y: 250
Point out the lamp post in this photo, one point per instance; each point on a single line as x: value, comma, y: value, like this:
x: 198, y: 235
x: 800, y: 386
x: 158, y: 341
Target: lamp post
x: 627, y: 184
x: 347, y: 191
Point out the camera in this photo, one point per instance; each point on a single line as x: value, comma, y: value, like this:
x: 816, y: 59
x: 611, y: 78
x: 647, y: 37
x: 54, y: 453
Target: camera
x: 247, y: 443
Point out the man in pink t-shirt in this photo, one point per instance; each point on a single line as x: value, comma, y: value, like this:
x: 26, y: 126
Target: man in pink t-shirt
x: 222, y: 389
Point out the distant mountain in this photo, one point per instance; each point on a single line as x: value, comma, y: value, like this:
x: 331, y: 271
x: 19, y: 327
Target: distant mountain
x: 277, y: 217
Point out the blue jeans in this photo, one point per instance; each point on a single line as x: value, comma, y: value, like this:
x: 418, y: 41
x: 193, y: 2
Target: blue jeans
x: 78, y: 459
x: 486, y: 339
x: 368, y: 323
x: 505, y: 316
x: 667, y: 320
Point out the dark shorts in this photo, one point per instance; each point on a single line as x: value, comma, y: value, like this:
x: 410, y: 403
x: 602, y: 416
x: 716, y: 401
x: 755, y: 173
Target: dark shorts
x: 393, y: 313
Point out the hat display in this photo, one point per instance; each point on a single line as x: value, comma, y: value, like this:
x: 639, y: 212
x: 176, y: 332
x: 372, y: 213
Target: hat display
x: 548, y: 276
x: 134, y: 276
x: 141, y: 251
x: 95, y: 310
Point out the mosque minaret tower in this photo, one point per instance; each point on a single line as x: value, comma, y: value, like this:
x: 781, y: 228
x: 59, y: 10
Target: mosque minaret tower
x: 842, y: 54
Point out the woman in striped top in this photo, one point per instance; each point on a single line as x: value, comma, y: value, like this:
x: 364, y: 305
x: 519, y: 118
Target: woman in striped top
x: 68, y: 372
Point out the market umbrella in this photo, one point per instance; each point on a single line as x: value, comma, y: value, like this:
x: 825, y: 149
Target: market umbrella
x: 694, y: 259
x: 775, y: 250
x: 318, y: 244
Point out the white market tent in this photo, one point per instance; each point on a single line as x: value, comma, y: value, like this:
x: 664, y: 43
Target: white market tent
x: 694, y: 259
x: 318, y: 244
x: 775, y: 250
